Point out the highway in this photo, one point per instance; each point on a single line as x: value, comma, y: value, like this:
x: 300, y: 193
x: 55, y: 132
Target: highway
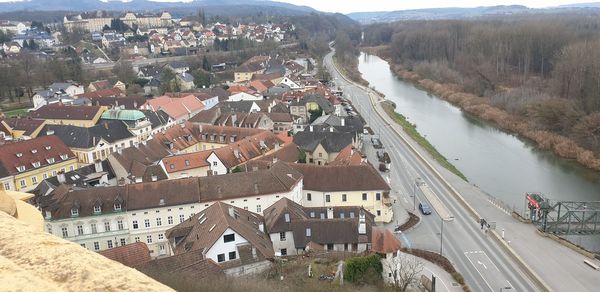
x: 484, y: 265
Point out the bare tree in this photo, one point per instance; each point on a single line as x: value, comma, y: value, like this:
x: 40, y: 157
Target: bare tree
x: 404, y: 269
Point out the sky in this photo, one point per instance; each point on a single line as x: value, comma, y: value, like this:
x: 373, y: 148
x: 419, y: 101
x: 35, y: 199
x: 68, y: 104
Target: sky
x: 347, y: 6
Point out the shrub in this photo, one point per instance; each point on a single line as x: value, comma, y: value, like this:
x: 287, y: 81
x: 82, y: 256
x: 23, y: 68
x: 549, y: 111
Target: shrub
x: 363, y: 269
x: 458, y: 277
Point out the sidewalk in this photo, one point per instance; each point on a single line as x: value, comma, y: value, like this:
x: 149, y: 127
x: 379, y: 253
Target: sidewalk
x: 560, y: 267
x: 443, y: 279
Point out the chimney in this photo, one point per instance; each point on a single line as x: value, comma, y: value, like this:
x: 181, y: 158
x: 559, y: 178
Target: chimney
x: 362, y: 223
x: 49, y: 132
x: 61, y: 177
x: 231, y: 213
x: 330, y: 213
x: 275, y: 159
x: 154, y: 178
x: 343, y: 122
x: 331, y: 129
x: 98, y: 166
x: 261, y: 227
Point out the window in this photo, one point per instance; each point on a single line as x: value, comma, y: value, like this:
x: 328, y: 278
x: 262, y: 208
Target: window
x: 7, y: 186
x: 94, y: 228
x: 45, y: 175
x: 74, y: 212
x: 20, y: 168
x: 135, y: 224
x: 158, y: 221
x: 71, y: 168
x: 65, y: 232
x: 342, y: 215
x: 287, y: 217
x: 23, y: 184
x: 187, y: 162
x: 351, y: 214
x: 214, y: 163
x: 149, y: 239
x: 147, y: 223
x: 221, y: 257
x: 229, y: 237
x: 50, y: 160
x: 106, y: 226
x: 283, y: 251
x: 64, y: 157
x: 258, y: 209
x: 181, y: 218
x: 79, y: 229
x: 232, y: 255
x: 378, y: 196
x: 96, y: 245
x: 120, y: 224
x: 327, y: 198
x: 34, y: 179
x: 137, y: 239
x: 343, y: 197
x: 123, y: 241
x: 117, y: 207
x: 97, y: 209
x: 364, y: 196
x: 378, y: 212
x: 312, y: 214
x: 170, y: 220
x: 308, y: 197
x: 322, y: 215
x: 83, y: 245
x: 54, y: 173
x: 281, y: 236
x: 308, y: 232
x: 109, y: 243
x: 161, y: 236
x: 49, y: 228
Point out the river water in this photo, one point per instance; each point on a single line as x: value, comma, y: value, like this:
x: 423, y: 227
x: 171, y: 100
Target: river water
x: 499, y: 163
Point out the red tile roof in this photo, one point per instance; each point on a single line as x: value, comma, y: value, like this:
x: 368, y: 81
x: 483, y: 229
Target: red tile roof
x: 348, y: 156
x: 131, y: 255
x: 46, y: 150
x: 106, y: 92
x: 384, y: 241
x: 23, y: 124
x: 176, y: 107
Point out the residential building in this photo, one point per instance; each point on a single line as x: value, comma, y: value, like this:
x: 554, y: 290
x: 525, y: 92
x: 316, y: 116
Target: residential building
x: 293, y: 228
x: 190, y: 265
x: 96, y: 174
x: 322, y: 148
x: 232, y: 237
x: 93, y: 143
x: 180, y: 109
x: 131, y: 254
x: 136, y: 121
x: 242, y: 106
x: 31, y: 161
x: 186, y: 81
x: 346, y: 185
x: 81, y: 116
x: 21, y: 128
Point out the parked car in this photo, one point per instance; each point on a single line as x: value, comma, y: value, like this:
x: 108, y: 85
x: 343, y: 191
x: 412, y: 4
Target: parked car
x: 383, y: 167
x: 424, y: 208
x: 376, y: 143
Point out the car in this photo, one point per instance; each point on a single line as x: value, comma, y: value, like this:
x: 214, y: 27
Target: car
x: 383, y: 167
x: 376, y: 143
x: 424, y: 208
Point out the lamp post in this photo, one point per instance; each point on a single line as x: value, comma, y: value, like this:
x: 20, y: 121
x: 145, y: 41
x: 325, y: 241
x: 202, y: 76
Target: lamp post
x: 442, y: 238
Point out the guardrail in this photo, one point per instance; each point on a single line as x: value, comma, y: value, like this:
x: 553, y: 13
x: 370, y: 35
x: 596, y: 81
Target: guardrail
x: 508, y: 249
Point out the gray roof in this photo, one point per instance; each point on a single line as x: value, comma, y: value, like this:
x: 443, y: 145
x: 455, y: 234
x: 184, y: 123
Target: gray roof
x: 156, y: 118
x: 186, y: 77
x: 331, y: 141
x: 352, y: 124
x: 80, y: 137
x: 243, y: 106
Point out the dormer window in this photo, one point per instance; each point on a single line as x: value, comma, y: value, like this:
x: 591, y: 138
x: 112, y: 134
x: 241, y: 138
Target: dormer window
x: 48, y: 147
x: 97, y: 209
x: 19, y: 154
x: 34, y: 151
x: 36, y: 164
x: 21, y: 168
x: 64, y: 156
x: 74, y: 212
x: 50, y: 160
x: 117, y: 207
x: 287, y: 217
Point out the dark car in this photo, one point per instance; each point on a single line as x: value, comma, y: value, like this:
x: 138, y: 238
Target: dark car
x: 424, y: 208
x: 376, y: 143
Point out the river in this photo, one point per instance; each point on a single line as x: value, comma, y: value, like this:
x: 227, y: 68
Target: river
x: 501, y: 164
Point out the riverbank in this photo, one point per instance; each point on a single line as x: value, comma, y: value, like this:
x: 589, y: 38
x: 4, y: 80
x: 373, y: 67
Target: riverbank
x: 411, y: 130
x: 350, y: 70
x: 482, y: 108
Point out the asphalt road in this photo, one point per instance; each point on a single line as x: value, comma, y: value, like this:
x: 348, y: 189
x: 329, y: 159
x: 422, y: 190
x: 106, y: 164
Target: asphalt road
x: 482, y: 262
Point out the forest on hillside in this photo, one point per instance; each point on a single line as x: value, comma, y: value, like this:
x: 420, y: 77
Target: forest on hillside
x: 544, y: 70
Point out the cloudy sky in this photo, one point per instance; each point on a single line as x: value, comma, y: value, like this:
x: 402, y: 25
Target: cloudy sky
x: 347, y: 6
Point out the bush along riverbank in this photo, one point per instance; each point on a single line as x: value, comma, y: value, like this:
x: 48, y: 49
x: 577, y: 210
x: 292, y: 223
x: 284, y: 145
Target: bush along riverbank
x: 350, y: 70
x: 411, y: 130
x: 482, y: 108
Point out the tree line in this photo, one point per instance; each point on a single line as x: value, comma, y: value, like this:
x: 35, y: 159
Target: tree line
x: 544, y: 68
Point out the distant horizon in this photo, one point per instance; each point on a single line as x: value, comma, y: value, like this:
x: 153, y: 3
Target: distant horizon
x: 353, y: 6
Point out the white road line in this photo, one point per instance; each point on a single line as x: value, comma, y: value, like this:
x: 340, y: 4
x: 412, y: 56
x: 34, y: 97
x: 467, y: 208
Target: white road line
x: 480, y: 274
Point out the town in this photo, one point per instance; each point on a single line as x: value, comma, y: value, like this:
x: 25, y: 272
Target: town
x: 195, y: 149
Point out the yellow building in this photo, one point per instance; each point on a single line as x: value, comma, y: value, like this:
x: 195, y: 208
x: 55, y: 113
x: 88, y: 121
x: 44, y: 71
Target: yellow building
x: 81, y: 116
x: 31, y: 161
x: 346, y: 185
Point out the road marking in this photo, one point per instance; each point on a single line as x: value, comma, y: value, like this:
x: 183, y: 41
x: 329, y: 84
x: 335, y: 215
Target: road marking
x: 484, y: 266
x: 479, y: 272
